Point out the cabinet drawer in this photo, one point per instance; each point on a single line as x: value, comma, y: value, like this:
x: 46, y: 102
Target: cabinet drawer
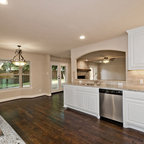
x: 134, y: 95
x: 88, y: 89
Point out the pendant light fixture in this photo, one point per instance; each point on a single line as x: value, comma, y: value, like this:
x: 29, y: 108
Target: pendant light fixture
x: 18, y: 59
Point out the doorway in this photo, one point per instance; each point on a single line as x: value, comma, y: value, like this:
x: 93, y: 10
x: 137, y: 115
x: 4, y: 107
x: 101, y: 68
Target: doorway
x: 59, y: 75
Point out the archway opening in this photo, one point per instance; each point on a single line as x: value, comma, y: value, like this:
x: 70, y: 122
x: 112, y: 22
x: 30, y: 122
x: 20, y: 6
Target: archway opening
x: 102, y: 65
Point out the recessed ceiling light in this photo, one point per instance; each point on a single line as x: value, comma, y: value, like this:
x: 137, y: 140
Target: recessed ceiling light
x: 3, y: 2
x: 82, y: 37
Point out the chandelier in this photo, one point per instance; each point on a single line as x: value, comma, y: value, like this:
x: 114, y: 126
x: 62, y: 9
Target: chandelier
x: 18, y: 59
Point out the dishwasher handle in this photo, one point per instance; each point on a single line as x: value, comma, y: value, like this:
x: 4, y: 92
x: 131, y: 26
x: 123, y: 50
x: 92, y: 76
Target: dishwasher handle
x: 113, y: 92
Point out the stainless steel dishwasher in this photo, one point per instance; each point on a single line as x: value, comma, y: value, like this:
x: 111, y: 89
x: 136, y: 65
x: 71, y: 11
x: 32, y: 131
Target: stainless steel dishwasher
x: 111, y: 104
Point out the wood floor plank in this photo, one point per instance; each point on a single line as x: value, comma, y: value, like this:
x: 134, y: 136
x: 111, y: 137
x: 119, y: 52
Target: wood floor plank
x: 43, y: 120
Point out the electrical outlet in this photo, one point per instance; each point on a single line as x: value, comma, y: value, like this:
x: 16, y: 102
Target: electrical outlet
x: 141, y: 81
x: 120, y: 84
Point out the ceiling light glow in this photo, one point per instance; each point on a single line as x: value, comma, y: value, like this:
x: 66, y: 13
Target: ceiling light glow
x: 1, y: 64
x: 106, y: 60
x: 82, y: 37
x: 3, y: 2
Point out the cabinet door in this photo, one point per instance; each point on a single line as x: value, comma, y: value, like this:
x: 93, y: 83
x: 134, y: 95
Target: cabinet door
x: 91, y: 103
x: 88, y: 100
x: 136, y: 49
x: 79, y: 95
x: 68, y: 95
x: 134, y: 113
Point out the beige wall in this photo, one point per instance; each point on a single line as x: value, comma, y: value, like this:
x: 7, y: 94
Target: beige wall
x: 47, y: 78
x: 40, y: 76
x: 114, y: 70
x: 117, y: 43
x: 40, y: 70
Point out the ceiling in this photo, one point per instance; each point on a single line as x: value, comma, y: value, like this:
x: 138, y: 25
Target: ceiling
x: 54, y: 26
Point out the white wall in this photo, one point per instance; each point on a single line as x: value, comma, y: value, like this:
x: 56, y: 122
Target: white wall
x: 118, y: 43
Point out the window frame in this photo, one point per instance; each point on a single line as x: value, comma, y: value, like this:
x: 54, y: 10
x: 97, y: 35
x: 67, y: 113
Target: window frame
x: 20, y: 74
x: 30, y: 76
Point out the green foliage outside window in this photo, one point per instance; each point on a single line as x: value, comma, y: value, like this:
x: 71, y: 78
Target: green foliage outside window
x: 14, y: 76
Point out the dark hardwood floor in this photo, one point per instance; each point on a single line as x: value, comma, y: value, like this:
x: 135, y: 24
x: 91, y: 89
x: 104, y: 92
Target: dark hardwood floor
x: 43, y: 120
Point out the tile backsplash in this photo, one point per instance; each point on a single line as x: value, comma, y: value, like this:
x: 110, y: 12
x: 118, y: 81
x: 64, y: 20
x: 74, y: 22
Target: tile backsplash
x: 134, y: 77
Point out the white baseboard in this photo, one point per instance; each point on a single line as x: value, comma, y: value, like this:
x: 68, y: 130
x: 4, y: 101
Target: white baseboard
x: 134, y: 126
x: 23, y: 96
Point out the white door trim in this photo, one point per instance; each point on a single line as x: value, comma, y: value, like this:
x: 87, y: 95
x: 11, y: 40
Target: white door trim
x: 59, y: 64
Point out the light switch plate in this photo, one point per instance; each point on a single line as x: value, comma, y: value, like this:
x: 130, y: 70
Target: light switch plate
x: 141, y: 81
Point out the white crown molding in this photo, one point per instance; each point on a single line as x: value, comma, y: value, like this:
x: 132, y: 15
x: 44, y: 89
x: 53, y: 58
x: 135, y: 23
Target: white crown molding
x: 136, y: 29
x: 23, y: 96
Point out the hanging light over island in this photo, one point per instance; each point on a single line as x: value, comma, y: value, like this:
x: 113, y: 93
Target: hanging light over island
x: 18, y: 59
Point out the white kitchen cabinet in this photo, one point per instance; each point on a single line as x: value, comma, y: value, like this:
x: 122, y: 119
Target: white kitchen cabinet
x: 82, y: 98
x: 133, y: 110
x: 136, y: 49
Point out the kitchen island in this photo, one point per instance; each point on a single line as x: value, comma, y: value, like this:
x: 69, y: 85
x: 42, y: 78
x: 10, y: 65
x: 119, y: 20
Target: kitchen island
x: 85, y: 98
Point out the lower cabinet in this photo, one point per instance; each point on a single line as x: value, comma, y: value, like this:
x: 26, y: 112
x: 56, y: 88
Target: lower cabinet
x: 86, y: 99
x: 133, y: 110
x: 82, y: 98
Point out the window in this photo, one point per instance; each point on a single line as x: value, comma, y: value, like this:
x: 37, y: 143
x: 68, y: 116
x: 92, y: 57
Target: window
x: 12, y: 76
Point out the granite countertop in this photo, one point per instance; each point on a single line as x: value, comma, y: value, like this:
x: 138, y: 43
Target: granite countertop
x: 1, y: 133
x: 139, y: 88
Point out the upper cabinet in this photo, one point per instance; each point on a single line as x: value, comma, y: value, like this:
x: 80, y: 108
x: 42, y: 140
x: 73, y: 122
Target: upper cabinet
x: 136, y: 49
